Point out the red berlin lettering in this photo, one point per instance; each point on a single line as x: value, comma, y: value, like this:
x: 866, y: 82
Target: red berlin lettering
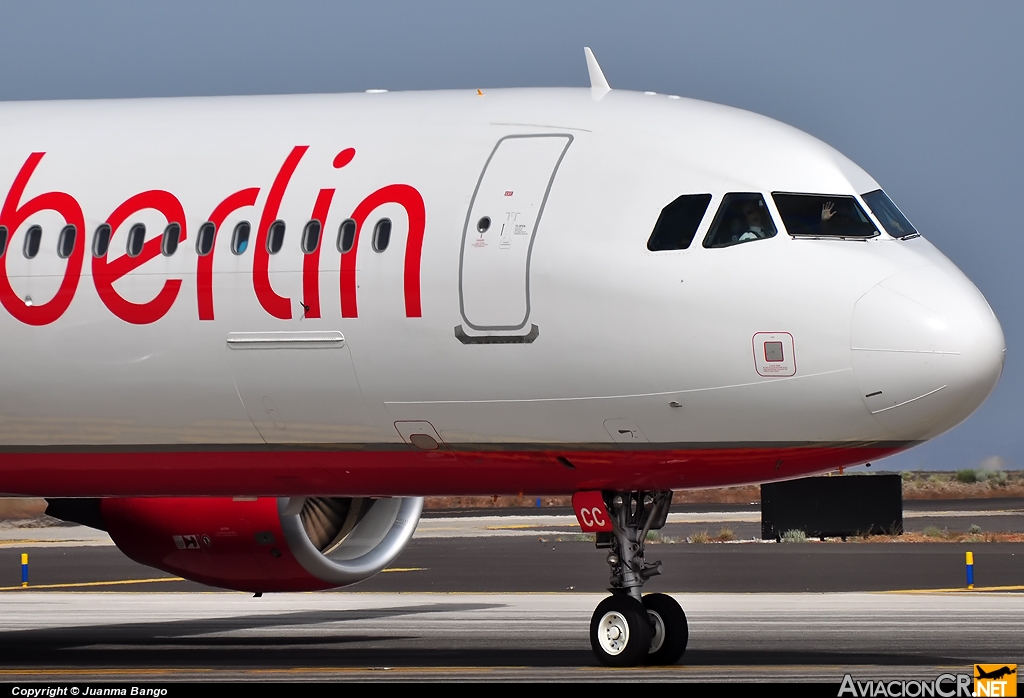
x: 409, y: 199
x: 278, y: 306
x: 11, y: 216
x: 311, y: 261
x: 204, y: 269
x: 105, y: 272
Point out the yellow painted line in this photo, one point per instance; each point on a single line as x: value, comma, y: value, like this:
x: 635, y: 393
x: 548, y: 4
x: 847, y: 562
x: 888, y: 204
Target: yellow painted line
x: 7, y: 542
x: 739, y: 671
x: 352, y: 670
x: 100, y: 672
x: 538, y: 527
x: 299, y: 669
x: 78, y: 585
x: 94, y: 584
x: 1016, y: 587
x: 402, y: 670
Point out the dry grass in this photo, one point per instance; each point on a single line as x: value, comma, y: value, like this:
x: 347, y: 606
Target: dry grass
x: 495, y: 502
x: 745, y: 494
x: 946, y: 537
x: 958, y: 485
x: 725, y: 535
x: 21, y: 508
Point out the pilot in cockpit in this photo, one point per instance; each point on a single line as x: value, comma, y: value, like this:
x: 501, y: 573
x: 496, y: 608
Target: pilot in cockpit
x: 743, y: 217
x: 752, y: 225
x: 828, y: 210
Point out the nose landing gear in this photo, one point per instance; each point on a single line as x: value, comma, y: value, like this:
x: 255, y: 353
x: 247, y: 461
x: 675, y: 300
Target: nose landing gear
x: 628, y: 628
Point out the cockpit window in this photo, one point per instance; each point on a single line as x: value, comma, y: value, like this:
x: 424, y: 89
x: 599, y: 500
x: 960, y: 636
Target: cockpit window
x: 678, y: 223
x: 891, y: 218
x: 740, y: 218
x: 819, y: 216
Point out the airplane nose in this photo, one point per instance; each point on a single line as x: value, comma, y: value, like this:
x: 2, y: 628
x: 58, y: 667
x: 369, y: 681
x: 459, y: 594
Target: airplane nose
x: 927, y: 351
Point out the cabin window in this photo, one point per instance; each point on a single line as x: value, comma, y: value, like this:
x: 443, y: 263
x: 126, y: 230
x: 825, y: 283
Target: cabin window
x: 136, y: 240
x: 32, y: 239
x: 204, y: 240
x: 240, y: 237
x: 101, y: 240
x: 678, y: 223
x: 275, y: 237
x: 382, y: 234
x: 346, y: 235
x: 311, y: 237
x: 891, y: 218
x: 66, y: 241
x: 169, y: 243
x: 742, y: 217
x: 4, y: 234
x: 819, y: 216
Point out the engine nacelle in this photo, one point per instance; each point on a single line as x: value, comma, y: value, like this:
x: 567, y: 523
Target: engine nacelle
x: 260, y: 544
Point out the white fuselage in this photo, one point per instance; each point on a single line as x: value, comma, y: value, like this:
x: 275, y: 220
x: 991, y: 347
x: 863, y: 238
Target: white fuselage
x: 631, y: 349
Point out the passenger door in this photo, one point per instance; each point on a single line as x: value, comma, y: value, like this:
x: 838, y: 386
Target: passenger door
x: 497, y: 240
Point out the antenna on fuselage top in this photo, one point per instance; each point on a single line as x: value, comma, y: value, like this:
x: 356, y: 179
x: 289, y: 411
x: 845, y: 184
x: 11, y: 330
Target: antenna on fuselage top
x: 598, y: 83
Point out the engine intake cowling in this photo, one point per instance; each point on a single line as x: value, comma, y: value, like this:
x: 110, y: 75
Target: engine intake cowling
x: 261, y: 544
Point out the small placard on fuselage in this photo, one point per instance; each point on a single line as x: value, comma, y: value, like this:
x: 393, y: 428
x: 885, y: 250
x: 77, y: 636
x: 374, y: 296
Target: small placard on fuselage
x: 773, y: 354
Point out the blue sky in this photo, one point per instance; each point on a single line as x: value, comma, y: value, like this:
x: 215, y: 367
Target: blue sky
x: 926, y: 96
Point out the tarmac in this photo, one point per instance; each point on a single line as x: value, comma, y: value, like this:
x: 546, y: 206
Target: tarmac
x: 510, y: 597
x: 161, y: 637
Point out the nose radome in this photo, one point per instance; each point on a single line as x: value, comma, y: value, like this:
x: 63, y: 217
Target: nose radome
x: 927, y: 351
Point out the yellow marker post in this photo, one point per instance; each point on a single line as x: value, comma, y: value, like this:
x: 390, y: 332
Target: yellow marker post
x: 24, y: 569
x: 970, y: 570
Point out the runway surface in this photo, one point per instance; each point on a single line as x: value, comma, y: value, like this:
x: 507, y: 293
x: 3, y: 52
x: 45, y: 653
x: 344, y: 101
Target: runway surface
x: 510, y: 598
x: 467, y: 637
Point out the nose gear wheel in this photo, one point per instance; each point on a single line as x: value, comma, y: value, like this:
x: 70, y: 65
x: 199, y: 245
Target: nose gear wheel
x: 620, y: 631
x: 670, y: 630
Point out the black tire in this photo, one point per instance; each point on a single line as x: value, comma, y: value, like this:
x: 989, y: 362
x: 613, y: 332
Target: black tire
x: 668, y: 644
x: 620, y: 631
